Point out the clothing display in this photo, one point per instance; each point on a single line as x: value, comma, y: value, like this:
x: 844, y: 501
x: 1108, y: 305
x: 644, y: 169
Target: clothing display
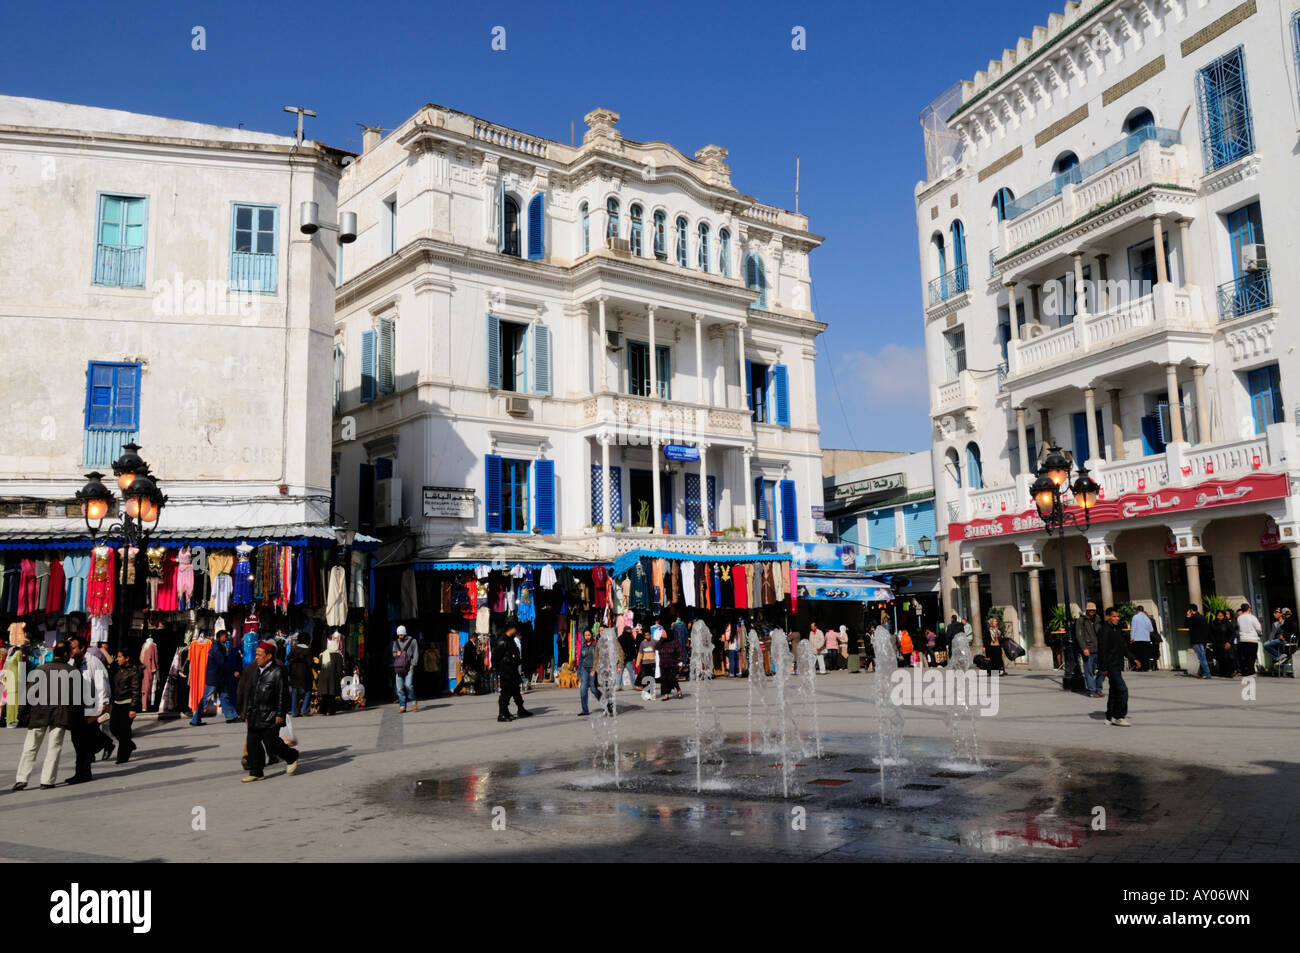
x: 336, y: 603
x: 184, y: 578
x: 242, y: 591
x: 100, y: 586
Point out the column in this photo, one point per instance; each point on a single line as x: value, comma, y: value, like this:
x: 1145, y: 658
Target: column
x: 1116, y: 424
x: 1036, y: 610
x: 1202, y: 405
x: 1011, y: 302
x: 607, y: 519
x: 976, y: 620
x: 1044, y: 430
x: 1023, y: 436
x: 1103, y: 276
x: 1107, y: 592
x: 1158, y: 233
x: 1185, y: 254
x: 1175, y: 405
x: 604, y: 344
x: 740, y: 360
x: 747, y: 455
x: 1193, y: 580
x: 1080, y: 289
x: 704, y: 474
x: 654, y: 486
x: 699, y: 365
x: 1090, y: 418
x: 654, y: 379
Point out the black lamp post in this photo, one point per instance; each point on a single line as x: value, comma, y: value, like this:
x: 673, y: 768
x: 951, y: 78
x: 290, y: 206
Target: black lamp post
x: 924, y: 542
x: 142, y: 505
x: 1047, y: 492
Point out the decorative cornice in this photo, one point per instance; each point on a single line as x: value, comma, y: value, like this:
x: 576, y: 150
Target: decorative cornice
x: 950, y: 306
x: 1244, y: 168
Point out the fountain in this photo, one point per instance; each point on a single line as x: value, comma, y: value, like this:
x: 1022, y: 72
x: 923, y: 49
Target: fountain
x: 889, y: 715
x: 961, y: 716
x: 757, y: 686
x: 709, y: 737
x: 808, y: 689
x: 609, y: 673
x: 781, y: 678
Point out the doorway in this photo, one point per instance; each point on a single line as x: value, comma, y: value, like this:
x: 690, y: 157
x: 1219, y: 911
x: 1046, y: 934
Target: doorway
x: 1269, y: 584
x: 1172, y: 597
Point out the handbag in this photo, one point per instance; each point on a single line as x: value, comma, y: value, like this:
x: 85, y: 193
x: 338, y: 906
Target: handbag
x: 1011, y: 648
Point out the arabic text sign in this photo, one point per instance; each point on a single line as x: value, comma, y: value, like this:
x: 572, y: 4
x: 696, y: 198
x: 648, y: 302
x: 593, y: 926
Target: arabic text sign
x: 893, y: 481
x: 449, y: 501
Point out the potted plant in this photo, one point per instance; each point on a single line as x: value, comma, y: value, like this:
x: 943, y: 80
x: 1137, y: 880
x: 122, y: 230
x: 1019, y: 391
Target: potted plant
x: 619, y: 526
x: 594, y: 529
x: 642, y: 524
x: 1216, y: 604
x: 733, y: 532
x: 1056, y: 621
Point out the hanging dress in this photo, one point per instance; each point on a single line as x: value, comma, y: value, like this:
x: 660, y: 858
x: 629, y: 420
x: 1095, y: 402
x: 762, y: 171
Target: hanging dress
x: 100, y: 583
x: 167, y: 585
x: 184, y: 579
x: 243, y: 582
x: 171, y: 690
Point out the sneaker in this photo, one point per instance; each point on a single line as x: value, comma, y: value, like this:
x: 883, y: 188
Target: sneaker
x: 20, y: 785
x: 47, y: 787
x: 1111, y: 721
x: 250, y: 778
x: 1123, y: 722
x: 401, y: 711
x: 293, y: 766
x: 415, y: 707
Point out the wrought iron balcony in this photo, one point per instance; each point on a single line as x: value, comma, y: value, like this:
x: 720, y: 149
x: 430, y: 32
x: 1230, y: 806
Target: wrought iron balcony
x: 949, y: 284
x: 1245, y: 294
x: 120, y: 266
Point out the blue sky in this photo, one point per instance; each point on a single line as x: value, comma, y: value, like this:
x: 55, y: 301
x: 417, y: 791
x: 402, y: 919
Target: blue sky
x: 688, y: 73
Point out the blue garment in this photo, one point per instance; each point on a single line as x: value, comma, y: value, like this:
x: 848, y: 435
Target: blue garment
x: 250, y: 647
x: 243, y: 588
x: 1140, y: 628
x: 228, y: 709
x: 586, y: 681
x: 300, y: 569
x: 1091, y: 677
x: 1205, y: 663
x: 526, y: 611
x: 717, y: 588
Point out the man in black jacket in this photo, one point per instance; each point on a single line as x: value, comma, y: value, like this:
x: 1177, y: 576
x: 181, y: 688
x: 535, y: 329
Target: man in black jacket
x: 1113, y: 648
x: 265, y: 709
x: 1085, y: 634
x: 505, y: 661
x: 1198, y: 633
x: 49, y: 711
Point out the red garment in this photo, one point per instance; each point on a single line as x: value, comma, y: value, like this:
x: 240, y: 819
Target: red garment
x: 28, y: 588
x: 471, y: 586
x: 54, y: 603
x: 598, y: 585
x: 708, y: 586
x: 738, y: 582
x: 794, y: 589
x: 167, y: 585
x: 100, y: 583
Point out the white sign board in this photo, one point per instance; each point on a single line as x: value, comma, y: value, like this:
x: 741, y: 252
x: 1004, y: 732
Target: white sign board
x: 449, y: 501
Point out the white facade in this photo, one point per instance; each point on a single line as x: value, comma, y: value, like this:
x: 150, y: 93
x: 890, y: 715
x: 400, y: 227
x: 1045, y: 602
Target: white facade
x: 886, y: 509
x: 122, y: 236
x: 1170, y: 359
x: 505, y: 342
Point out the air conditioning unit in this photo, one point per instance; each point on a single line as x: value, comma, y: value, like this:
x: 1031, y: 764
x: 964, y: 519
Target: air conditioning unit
x: 1253, y: 258
x: 388, y: 501
x: 518, y: 406
x: 620, y: 246
x: 614, y: 340
x: 760, y: 527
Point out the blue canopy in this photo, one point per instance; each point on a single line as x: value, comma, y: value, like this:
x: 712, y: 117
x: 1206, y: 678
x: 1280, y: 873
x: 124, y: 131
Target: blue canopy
x: 843, y: 587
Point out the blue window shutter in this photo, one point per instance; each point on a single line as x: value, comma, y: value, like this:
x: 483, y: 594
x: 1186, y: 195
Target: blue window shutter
x: 880, y: 531
x: 597, y: 493
x: 749, y: 384
x: 126, y: 405
x: 544, y: 495
x: 99, y: 395
x: 493, y: 351
x: 367, y: 365
x: 762, y: 500
x: 712, y: 523
x: 541, y: 358
x: 615, y: 494
x: 537, y: 227
x: 692, y: 486
x: 492, y: 493
x: 789, y: 513
x: 780, y: 383
x: 918, y: 521
x: 384, y: 363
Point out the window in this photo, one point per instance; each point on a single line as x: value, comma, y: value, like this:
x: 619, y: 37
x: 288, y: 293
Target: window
x: 1062, y: 298
x: 955, y: 347
x: 1080, y: 423
x: 954, y: 468
x: 681, y: 242
x: 1013, y: 450
x: 638, y: 369
x: 1245, y: 227
x: 390, y: 225
x: 1265, y: 397
x: 510, y: 227
x: 1251, y: 288
x: 112, y: 411
x: 1156, y: 426
x: 702, y: 233
x: 781, y: 394
x: 514, y: 357
x: 387, y: 343
x: 1065, y: 163
x: 959, y: 282
x: 765, y: 496
x: 611, y: 223
x: 119, y: 242
x: 537, y: 227
x: 338, y: 377
x: 598, y: 494
x: 664, y: 371
x: 586, y: 227
x: 974, y: 467
x: 506, y: 496
x: 661, y: 237
x: 1003, y: 198
x: 1138, y: 120
x: 756, y: 387
x: 367, y: 366
x: 756, y: 280
x: 724, y: 252
x: 634, y: 236
x: 1227, y: 132
x: 693, y: 513
x: 1142, y: 263
x: 253, y: 259
x: 508, y: 347
x: 789, y: 513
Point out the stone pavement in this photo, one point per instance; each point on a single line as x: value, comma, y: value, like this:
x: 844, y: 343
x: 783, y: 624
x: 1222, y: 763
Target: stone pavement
x: 1202, y: 775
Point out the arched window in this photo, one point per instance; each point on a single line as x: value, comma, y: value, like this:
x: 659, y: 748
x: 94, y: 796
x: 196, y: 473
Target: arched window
x: 702, y: 232
x: 681, y: 242
x: 1000, y: 202
x: 510, y: 221
x: 959, y: 252
x: 634, y: 236
x: 940, y: 254
x: 1065, y: 164
x: 974, y: 469
x: 586, y: 227
x: 756, y: 280
x: 611, y: 226
x: 661, y: 235
x: 1138, y: 120
x: 724, y: 252
x: 953, y: 470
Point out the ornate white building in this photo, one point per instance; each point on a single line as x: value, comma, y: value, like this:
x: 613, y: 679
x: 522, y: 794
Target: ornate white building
x: 550, y: 350
x: 1120, y: 128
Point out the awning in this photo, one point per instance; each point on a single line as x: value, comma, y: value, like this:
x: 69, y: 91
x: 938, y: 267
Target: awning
x: 628, y: 560
x: 296, y: 534
x: 449, y: 565
x: 843, y: 587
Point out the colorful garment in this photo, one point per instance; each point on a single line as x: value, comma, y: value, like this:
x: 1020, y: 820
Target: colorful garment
x: 27, y: 587
x: 100, y: 583
x: 76, y: 570
x: 167, y: 585
x: 242, y: 591
x: 184, y: 578
x: 54, y: 599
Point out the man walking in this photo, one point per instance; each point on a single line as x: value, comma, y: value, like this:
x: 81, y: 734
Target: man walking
x: 505, y: 659
x: 405, y: 653
x: 1248, y: 639
x: 86, y: 737
x: 1198, y: 634
x: 49, y: 717
x: 1113, y: 649
x: 1085, y: 634
x: 268, y: 703
x: 586, y: 671
x: 1140, y: 629
x: 214, y: 672
x: 818, y: 640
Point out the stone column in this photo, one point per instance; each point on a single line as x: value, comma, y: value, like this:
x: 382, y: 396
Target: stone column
x: 1107, y: 591
x: 1023, y: 435
x: 1116, y: 424
x: 1011, y: 303
x: 1103, y: 276
x: 740, y: 361
x: 654, y: 368
x: 1036, y: 610
x: 1080, y: 289
x: 654, y: 487
x: 1175, y: 404
x: 604, y: 344
x: 1185, y: 254
x: 1044, y: 430
x: 1202, y: 404
x: 1090, y: 415
x: 607, y: 518
x: 699, y: 363
x: 747, y: 455
x: 1193, y: 579
x: 704, y: 484
x: 1158, y: 234
x: 976, y: 621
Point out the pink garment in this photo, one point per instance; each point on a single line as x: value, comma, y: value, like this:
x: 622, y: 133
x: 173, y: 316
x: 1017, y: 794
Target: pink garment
x: 28, y: 589
x: 149, y: 660
x: 184, y: 579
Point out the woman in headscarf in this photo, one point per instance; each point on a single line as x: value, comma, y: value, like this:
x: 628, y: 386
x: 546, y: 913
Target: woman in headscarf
x: 332, y: 667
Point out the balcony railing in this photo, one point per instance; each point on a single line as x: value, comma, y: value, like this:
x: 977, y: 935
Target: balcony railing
x: 120, y: 266
x: 255, y: 273
x: 949, y: 284
x: 1250, y: 292
x: 1091, y: 166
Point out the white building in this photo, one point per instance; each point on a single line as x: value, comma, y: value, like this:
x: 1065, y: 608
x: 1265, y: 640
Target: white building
x: 155, y: 288
x: 538, y: 344
x: 1118, y: 128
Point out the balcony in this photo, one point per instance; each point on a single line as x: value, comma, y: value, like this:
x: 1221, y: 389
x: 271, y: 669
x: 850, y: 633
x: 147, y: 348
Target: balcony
x: 609, y: 546
x: 1150, y: 157
x: 1246, y: 294
x: 667, y: 420
x: 119, y: 266
x: 949, y: 285
x: 955, y: 396
x: 253, y: 273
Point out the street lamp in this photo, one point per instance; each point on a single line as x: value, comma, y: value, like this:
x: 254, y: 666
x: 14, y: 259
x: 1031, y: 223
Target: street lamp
x: 924, y: 542
x: 1047, y: 492
x: 142, y: 505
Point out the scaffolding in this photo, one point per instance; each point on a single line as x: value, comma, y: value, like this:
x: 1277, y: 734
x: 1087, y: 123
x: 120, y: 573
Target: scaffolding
x: 943, y: 146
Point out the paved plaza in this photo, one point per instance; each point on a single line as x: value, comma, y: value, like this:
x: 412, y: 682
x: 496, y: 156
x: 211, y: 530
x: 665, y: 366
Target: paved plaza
x: 1202, y: 775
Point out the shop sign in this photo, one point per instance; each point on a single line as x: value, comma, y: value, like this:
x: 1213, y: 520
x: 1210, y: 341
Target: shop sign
x: 825, y: 556
x: 681, y: 452
x: 1171, y: 545
x: 449, y: 501
x: 1271, y: 538
x: 819, y: 512
x: 824, y: 527
x: 892, y: 481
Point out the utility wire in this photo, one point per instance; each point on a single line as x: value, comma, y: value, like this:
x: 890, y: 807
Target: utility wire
x: 831, y: 364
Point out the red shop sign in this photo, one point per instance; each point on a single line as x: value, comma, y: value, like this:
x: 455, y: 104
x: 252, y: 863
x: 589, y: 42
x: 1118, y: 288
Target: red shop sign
x: 1271, y: 538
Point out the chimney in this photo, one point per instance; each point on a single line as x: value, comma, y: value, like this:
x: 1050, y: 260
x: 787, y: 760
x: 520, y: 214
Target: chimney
x: 370, y: 137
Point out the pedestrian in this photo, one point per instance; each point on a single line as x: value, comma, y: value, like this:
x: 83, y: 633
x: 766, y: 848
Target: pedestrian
x: 668, y: 658
x: 1141, y: 630
x: 1085, y: 635
x: 1114, y: 649
x: 834, y: 640
x: 646, y: 658
x: 300, y: 667
x: 330, y: 681
x: 817, y: 639
x: 49, y: 718
x: 505, y: 659
x: 1198, y: 634
x: 470, y: 670
x: 1281, y: 637
x: 587, y: 656
x: 405, y: 651
x: 267, y: 706
x: 682, y: 636
x: 125, y: 695
x: 993, y: 647
x: 212, y: 674
x: 731, y: 645
x: 86, y: 738
x: 1248, y: 638
x: 627, y: 652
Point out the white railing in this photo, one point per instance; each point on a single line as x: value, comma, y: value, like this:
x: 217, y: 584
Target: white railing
x: 1119, y: 322
x: 1048, y: 348
x: 1236, y: 458
x: 675, y: 419
x: 1145, y: 474
x: 611, y: 545
x: 509, y: 139
x: 995, y: 501
x: 762, y: 213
